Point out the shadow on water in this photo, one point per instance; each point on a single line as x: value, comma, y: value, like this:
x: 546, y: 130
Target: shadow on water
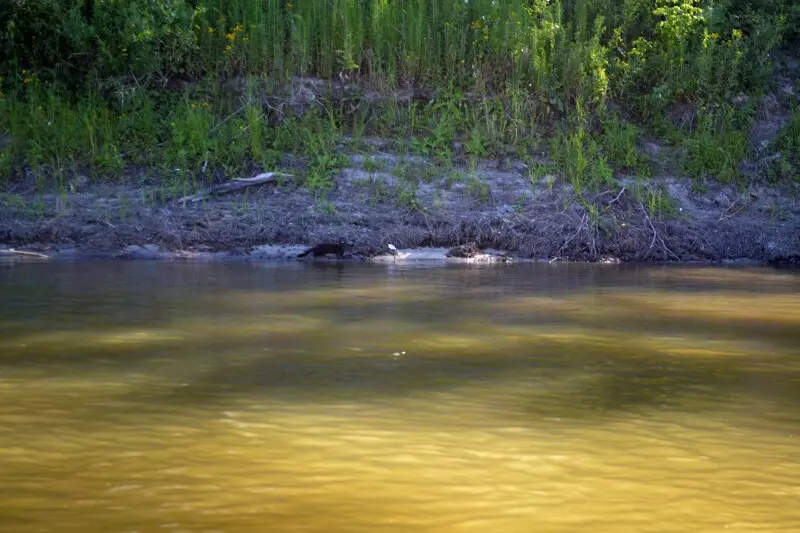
x: 574, y: 342
x: 607, y: 384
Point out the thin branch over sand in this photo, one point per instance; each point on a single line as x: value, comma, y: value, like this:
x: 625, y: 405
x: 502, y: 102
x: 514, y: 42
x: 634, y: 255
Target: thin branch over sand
x: 234, y: 185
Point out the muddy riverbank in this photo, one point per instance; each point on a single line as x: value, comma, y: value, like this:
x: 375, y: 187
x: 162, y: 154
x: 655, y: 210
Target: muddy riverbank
x: 373, y: 204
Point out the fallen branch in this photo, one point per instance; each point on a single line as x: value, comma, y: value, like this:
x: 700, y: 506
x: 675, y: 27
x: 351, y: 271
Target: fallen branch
x: 12, y: 251
x: 730, y: 211
x: 234, y: 185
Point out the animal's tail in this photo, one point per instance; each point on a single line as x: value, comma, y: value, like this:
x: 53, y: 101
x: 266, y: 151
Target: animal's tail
x: 305, y: 253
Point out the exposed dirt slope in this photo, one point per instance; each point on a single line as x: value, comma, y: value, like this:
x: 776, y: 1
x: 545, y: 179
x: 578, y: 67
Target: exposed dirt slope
x: 495, y: 205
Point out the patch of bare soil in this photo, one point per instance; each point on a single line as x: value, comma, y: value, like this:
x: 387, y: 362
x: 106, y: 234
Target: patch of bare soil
x: 495, y: 206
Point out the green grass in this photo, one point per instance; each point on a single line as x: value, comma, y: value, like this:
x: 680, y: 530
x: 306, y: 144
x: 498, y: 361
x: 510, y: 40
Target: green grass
x: 787, y: 167
x: 559, y: 50
x: 715, y: 146
x: 88, y: 93
x: 372, y: 164
x: 620, y: 141
x: 187, y: 140
x: 579, y: 156
x: 407, y: 196
x: 477, y: 189
x: 657, y: 201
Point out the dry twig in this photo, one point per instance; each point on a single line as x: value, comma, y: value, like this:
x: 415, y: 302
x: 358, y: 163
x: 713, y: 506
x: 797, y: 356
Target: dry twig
x: 618, y: 196
x: 226, y: 119
x: 730, y: 211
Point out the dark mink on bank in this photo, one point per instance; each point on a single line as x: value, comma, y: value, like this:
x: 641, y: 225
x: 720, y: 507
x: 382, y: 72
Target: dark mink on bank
x: 326, y: 248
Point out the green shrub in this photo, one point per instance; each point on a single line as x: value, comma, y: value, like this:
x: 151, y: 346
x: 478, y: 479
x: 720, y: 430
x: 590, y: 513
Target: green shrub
x: 716, y: 146
x: 787, y: 167
x: 620, y: 141
x: 579, y: 155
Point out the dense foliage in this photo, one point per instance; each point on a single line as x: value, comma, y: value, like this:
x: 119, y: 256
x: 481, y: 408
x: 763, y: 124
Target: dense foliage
x: 89, y: 67
x: 588, y: 48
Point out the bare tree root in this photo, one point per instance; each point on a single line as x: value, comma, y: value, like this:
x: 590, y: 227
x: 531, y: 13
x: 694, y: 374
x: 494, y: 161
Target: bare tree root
x: 581, y: 228
x: 656, y: 237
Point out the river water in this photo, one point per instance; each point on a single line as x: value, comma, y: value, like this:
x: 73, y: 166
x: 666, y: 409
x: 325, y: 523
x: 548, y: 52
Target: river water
x: 177, y: 397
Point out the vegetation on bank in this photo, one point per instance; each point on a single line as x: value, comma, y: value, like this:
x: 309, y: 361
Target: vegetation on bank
x: 193, y: 91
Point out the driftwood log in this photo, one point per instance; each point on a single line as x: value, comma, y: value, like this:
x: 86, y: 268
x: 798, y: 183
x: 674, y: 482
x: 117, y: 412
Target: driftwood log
x: 466, y: 251
x: 473, y: 253
x: 234, y: 185
x: 12, y: 251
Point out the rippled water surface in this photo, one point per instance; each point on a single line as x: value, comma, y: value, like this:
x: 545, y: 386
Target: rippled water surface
x: 164, y: 397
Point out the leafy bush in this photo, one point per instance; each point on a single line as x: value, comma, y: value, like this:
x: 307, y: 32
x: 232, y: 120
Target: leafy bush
x: 787, y: 167
x: 561, y: 50
x: 620, y: 141
x: 716, y: 145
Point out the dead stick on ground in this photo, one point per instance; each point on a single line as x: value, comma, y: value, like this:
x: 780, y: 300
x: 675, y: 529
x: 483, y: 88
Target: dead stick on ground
x: 12, y: 251
x: 617, y: 198
x: 730, y: 212
x: 234, y: 185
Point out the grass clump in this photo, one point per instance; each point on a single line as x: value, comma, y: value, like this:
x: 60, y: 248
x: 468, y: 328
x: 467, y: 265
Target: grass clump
x: 620, y: 142
x: 186, y: 138
x: 715, y: 146
x: 408, y: 196
x: 445, y: 119
x: 580, y: 157
x: 786, y: 168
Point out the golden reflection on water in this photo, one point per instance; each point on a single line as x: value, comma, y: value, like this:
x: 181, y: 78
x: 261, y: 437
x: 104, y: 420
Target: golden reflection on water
x: 142, y: 397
